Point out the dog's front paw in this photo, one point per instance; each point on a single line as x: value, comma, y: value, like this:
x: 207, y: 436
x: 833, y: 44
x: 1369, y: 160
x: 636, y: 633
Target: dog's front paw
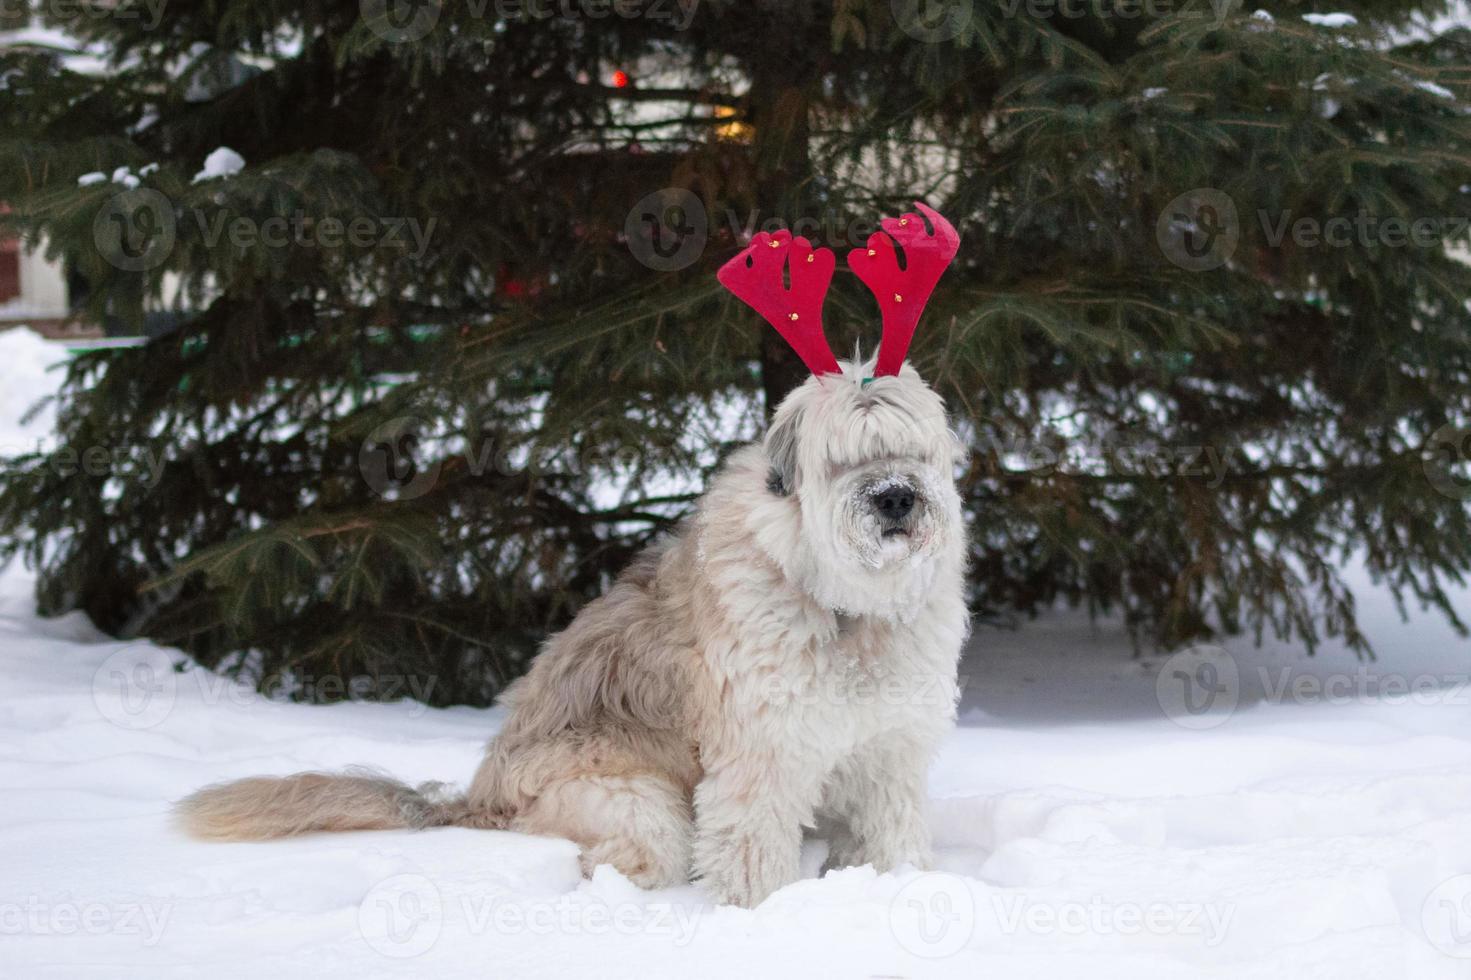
x: 745, y: 871
x: 739, y: 894
x: 842, y: 852
x: 884, y: 855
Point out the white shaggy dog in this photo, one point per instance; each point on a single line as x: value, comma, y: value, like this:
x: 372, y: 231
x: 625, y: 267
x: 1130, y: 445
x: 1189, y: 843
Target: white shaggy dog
x: 787, y: 659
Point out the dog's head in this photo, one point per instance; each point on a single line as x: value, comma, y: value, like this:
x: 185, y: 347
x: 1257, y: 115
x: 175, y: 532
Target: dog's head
x: 862, y: 449
x: 871, y: 465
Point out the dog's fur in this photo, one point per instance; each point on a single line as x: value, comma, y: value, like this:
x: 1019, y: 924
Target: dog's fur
x: 779, y: 662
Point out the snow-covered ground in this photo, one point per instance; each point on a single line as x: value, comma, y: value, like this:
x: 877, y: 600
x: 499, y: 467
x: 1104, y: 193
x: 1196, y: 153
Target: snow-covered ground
x: 1223, y: 813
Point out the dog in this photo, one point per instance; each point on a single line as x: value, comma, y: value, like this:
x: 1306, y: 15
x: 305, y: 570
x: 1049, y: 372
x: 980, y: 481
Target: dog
x: 786, y: 660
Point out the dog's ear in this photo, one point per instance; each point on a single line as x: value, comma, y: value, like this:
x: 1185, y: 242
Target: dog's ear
x: 781, y: 453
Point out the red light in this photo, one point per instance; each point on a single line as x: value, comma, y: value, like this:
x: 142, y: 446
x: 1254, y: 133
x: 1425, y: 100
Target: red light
x: 620, y: 79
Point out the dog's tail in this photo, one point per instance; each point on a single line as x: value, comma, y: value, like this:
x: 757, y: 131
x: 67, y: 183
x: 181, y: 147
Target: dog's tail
x: 263, y: 807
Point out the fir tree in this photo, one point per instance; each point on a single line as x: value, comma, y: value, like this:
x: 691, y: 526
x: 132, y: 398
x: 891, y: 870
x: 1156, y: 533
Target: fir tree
x: 448, y: 348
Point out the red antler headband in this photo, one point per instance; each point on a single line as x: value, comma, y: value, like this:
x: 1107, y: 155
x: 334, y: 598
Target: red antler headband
x: 903, y: 293
x: 755, y: 276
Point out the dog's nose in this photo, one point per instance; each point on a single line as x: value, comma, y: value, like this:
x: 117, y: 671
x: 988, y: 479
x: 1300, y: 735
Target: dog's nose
x: 894, y: 503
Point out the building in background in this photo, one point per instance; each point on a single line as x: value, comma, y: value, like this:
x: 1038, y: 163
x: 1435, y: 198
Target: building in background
x: 34, y: 291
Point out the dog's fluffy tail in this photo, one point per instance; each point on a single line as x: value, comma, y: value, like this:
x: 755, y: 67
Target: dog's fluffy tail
x: 263, y: 807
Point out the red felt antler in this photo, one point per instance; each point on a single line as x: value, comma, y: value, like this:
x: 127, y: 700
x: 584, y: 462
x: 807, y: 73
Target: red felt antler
x: 755, y: 276
x: 902, y: 293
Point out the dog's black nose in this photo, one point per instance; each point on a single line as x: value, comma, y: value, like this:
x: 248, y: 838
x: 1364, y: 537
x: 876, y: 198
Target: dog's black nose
x: 894, y: 503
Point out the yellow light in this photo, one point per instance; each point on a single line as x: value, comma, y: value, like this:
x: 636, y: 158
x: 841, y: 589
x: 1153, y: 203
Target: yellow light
x: 734, y: 130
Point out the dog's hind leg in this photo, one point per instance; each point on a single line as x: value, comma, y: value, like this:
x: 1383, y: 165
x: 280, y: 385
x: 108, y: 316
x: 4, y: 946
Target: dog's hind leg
x: 640, y: 824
